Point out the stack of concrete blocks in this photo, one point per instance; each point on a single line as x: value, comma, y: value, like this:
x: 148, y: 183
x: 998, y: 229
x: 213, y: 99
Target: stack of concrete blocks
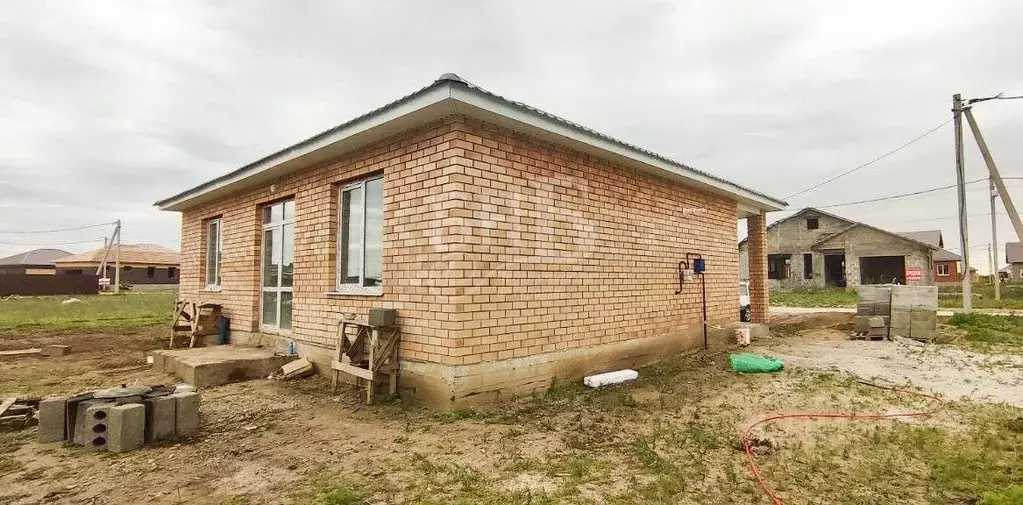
x: 915, y: 312
x: 873, y: 310
x: 119, y: 425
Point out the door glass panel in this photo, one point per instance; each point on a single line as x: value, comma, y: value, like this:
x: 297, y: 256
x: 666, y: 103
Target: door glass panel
x: 288, y: 255
x: 277, y: 212
x: 289, y: 210
x: 271, y: 257
x: 351, y: 236
x: 270, y: 308
x: 374, y: 232
x: 285, y: 310
x: 266, y: 214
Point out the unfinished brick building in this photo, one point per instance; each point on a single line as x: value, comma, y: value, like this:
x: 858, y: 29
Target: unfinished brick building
x: 516, y: 246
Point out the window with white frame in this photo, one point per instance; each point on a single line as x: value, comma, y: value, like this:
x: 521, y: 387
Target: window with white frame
x: 360, y: 249
x: 943, y: 269
x: 214, y: 241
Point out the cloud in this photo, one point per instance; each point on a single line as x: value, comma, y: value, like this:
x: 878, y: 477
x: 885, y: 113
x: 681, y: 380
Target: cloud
x: 108, y: 106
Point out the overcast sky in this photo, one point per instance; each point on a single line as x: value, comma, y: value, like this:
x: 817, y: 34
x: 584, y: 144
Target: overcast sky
x: 106, y: 107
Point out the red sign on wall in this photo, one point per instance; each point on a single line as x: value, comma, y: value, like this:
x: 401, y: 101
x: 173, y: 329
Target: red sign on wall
x: 914, y: 274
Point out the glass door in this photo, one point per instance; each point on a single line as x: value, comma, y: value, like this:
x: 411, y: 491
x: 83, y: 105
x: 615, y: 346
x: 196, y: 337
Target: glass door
x: 278, y: 265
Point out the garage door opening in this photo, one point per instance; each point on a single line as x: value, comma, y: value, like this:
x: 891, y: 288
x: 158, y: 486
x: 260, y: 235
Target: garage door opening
x: 883, y: 270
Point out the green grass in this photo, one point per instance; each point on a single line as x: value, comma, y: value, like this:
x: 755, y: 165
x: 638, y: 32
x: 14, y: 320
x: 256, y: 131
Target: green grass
x: 830, y: 297
x: 94, y: 311
x: 983, y: 296
x: 986, y: 332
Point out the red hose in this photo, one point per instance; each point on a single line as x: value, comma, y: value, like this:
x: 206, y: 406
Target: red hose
x: 831, y: 415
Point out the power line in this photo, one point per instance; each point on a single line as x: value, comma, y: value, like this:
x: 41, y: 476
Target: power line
x: 871, y: 162
x: 904, y: 195
x: 18, y: 232
x: 61, y: 243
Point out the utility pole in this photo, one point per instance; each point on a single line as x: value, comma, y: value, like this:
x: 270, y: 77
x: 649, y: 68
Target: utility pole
x: 995, y: 176
x: 117, y: 259
x: 964, y: 241
x: 994, y: 242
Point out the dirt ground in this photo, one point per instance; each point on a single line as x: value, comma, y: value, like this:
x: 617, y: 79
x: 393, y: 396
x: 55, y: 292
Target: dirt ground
x: 949, y: 371
x: 667, y: 438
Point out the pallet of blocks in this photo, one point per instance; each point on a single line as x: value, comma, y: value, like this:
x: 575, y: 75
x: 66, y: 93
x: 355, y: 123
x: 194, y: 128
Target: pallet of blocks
x: 873, y: 311
x: 915, y: 312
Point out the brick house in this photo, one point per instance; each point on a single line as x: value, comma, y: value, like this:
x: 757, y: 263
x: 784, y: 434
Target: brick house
x: 813, y: 248
x: 516, y: 246
x: 944, y: 263
x: 142, y: 265
x: 34, y: 262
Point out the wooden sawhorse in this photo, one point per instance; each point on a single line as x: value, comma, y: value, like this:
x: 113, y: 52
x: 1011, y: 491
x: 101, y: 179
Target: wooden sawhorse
x: 367, y: 353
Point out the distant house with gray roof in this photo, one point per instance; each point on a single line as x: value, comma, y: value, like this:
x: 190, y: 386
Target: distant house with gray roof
x: 34, y: 262
x: 813, y: 248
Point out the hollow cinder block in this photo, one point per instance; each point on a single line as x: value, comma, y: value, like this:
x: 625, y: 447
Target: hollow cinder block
x: 160, y: 412
x: 127, y: 427
x: 83, y: 425
x: 52, y: 420
x: 186, y: 413
x: 97, y: 418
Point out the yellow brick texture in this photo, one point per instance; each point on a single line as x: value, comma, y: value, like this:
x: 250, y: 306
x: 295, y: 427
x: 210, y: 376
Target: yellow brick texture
x: 496, y: 245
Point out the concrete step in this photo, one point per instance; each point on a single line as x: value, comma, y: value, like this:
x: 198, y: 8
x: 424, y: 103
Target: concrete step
x: 216, y: 365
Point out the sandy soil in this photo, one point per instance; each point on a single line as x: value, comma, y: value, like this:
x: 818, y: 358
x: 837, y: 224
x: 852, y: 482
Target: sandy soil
x: 275, y: 442
x: 952, y: 372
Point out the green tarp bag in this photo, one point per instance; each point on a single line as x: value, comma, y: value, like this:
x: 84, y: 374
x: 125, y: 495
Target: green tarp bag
x: 755, y: 363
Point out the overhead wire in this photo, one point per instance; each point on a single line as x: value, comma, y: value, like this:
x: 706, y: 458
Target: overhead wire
x: 57, y: 243
x: 58, y: 230
x: 871, y: 162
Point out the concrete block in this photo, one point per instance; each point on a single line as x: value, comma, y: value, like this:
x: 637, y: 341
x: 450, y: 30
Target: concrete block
x: 915, y: 296
x: 900, y: 318
x: 55, y: 350
x: 923, y: 330
x: 882, y: 309
x: 876, y: 322
x: 83, y: 430
x: 96, y: 425
x: 918, y: 314
x: 861, y: 324
x: 878, y: 331
x: 865, y: 309
x: 127, y: 427
x: 186, y: 415
x: 160, y: 421
x: 52, y: 420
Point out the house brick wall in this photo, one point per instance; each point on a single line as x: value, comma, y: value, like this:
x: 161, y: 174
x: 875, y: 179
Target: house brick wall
x: 953, y: 272
x: 497, y: 247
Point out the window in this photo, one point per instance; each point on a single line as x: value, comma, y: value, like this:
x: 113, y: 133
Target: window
x: 807, y: 266
x: 126, y: 268
x: 778, y: 266
x: 213, y: 253
x: 150, y: 272
x: 172, y: 272
x: 942, y: 269
x: 278, y: 273
x: 361, y: 237
x: 76, y: 271
x: 812, y: 223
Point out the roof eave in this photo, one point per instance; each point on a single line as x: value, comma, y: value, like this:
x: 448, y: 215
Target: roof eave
x: 448, y: 97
